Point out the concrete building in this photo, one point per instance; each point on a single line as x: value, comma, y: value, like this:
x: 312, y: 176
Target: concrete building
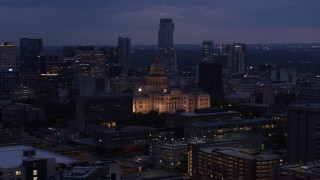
x: 22, y: 114
x: 309, y: 92
x: 303, y: 133
x: 178, y: 119
x: 10, y: 136
x: 125, y: 136
x: 28, y: 163
x: 223, y: 127
x: 286, y: 75
x: 103, y: 109
x: 231, y: 163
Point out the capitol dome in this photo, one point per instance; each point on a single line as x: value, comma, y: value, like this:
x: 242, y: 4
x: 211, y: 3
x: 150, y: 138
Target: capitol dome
x: 157, y: 79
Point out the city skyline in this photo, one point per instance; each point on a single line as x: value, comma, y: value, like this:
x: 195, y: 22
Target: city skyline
x: 100, y: 22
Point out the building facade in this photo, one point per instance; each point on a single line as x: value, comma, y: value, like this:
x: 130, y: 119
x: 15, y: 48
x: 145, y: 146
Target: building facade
x: 210, y: 81
x: 124, y: 48
x: 238, y: 58
x: 207, y: 50
x: 303, y: 133
x: 231, y: 163
x: 29, y: 50
x: 165, y: 46
x: 158, y: 97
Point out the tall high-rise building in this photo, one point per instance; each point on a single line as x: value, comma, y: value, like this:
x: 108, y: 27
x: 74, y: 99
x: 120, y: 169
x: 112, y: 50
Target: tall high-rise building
x: 207, y: 50
x: 68, y: 51
x: 7, y: 65
x: 225, y: 57
x: 238, y: 61
x: 7, y: 55
x: 210, y: 80
x: 165, y: 46
x: 29, y: 50
x: 124, y: 48
x: 303, y: 133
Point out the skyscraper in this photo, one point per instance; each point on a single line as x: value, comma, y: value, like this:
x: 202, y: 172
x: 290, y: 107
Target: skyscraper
x: 124, y: 48
x: 7, y: 65
x: 207, y: 50
x: 210, y: 80
x: 29, y: 49
x: 303, y: 133
x: 7, y: 55
x: 238, y: 58
x: 165, y: 46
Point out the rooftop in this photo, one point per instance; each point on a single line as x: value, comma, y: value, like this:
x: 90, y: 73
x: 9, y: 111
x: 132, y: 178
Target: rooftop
x: 249, y: 154
x: 228, y: 122
x: 12, y: 156
x: 126, y: 129
x: 310, y: 168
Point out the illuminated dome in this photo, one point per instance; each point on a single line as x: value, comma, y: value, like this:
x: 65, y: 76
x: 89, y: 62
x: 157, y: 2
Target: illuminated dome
x: 157, y: 79
x: 157, y: 69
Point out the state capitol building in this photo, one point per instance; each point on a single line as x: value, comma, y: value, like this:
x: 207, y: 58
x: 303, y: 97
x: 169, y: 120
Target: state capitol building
x: 157, y: 96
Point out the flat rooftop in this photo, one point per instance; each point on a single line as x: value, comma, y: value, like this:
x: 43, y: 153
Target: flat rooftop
x: 126, y: 129
x: 204, y: 114
x: 311, y: 168
x: 12, y: 156
x: 243, y: 153
x: 153, y: 174
x: 229, y: 122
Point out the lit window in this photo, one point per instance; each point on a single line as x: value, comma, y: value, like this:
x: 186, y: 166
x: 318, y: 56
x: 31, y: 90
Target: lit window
x: 18, y: 173
x: 35, y: 178
x: 35, y: 172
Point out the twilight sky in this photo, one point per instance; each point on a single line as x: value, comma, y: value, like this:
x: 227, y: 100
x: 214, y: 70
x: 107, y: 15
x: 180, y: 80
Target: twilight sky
x: 99, y: 22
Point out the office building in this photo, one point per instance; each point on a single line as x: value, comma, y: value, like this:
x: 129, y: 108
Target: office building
x: 224, y: 127
x: 210, y: 81
x: 124, y: 48
x: 238, y: 61
x: 90, y: 63
x: 7, y: 55
x: 303, y: 133
x: 284, y: 75
x: 112, y: 54
x: 68, y: 51
x: 125, y: 136
x: 22, y: 114
x: 207, y: 50
x: 25, y: 162
x: 29, y: 50
x: 10, y: 137
x: 231, y: 163
x: 201, y: 115
x: 7, y: 66
x: 165, y: 46
x: 103, y: 109
x: 309, y: 92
